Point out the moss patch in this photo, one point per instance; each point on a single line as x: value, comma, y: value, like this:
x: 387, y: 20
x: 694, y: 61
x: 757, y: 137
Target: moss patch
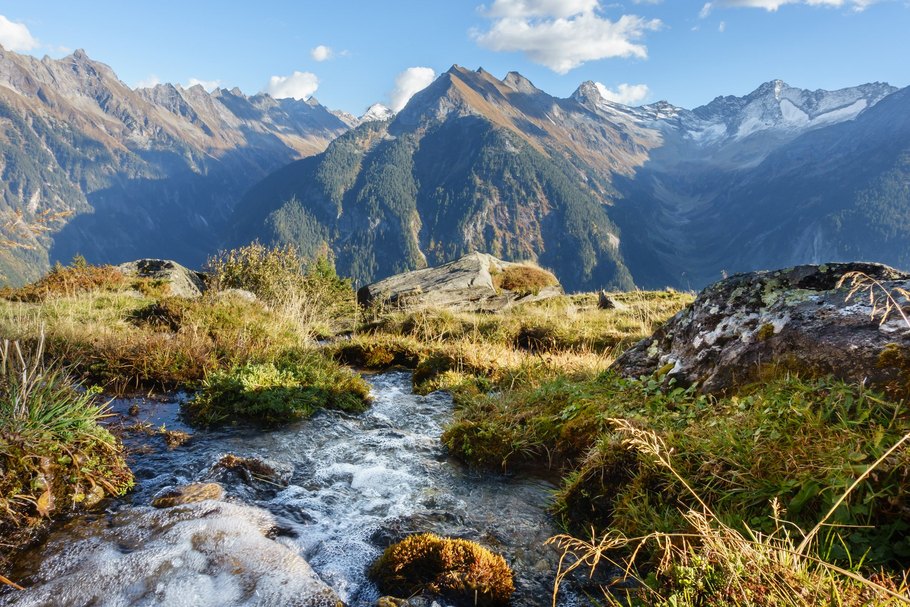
x: 459, y: 570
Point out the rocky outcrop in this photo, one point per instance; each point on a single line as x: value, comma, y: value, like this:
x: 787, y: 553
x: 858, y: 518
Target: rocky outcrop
x: 472, y: 283
x: 182, y: 282
x: 801, y: 319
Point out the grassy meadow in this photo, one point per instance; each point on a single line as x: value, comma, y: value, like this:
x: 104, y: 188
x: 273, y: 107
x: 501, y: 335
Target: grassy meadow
x: 792, y: 491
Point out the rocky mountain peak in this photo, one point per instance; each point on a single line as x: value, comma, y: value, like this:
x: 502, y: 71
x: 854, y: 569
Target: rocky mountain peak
x: 587, y: 93
x: 519, y: 83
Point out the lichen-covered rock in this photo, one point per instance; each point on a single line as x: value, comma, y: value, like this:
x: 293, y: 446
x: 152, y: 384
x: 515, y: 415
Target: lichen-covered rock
x: 741, y: 328
x: 474, y: 283
x: 188, y: 494
x: 182, y: 282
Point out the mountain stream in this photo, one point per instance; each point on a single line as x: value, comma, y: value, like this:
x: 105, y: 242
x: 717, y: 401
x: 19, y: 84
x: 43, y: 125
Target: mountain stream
x: 344, y: 487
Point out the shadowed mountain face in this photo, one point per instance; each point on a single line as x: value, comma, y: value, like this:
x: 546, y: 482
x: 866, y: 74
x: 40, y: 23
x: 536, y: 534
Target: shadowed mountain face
x: 603, y: 194
x: 92, y: 166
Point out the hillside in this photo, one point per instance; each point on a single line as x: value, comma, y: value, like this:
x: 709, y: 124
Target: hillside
x: 117, y: 173
x: 603, y: 194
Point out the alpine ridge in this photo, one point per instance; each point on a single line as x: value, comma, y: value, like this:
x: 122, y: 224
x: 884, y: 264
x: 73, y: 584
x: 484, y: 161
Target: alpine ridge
x: 603, y: 194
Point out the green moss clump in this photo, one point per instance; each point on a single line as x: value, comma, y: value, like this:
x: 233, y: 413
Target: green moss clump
x: 458, y: 570
x: 291, y: 388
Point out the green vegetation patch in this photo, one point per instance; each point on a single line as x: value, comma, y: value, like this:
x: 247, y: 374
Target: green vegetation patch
x: 291, y: 388
x: 54, y: 455
x: 802, y: 442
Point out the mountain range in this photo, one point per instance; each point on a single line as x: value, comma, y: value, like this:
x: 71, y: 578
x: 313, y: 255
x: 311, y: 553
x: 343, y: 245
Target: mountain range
x: 604, y: 194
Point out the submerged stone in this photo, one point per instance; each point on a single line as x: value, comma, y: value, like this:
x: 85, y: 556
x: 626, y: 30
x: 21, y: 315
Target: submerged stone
x: 188, y: 494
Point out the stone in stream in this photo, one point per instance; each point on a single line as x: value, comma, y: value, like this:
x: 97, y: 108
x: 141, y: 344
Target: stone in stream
x: 188, y: 494
x: 205, y: 554
x: 473, y: 283
x: 741, y: 329
x: 182, y: 282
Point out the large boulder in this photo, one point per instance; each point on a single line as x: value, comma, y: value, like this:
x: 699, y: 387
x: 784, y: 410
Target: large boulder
x: 751, y: 325
x: 182, y: 282
x: 474, y: 283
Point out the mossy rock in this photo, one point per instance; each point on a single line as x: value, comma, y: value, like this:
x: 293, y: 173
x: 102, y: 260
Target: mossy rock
x: 458, y: 570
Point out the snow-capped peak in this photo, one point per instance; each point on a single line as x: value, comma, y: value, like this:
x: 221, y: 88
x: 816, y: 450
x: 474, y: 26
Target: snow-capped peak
x: 377, y: 112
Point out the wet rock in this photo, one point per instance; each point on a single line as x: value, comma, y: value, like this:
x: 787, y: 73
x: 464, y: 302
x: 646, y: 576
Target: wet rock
x: 252, y: 471
x: 182, y: 282
x: 175, y: 438
x: 750, y: 325
x: 188, y: 494
x: 207, y: 554
x: 466, y: 284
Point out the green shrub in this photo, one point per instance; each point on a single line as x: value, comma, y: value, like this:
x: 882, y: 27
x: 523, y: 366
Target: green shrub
x: 458, y: 570
x: 307, y: 291
x: 288, y: 389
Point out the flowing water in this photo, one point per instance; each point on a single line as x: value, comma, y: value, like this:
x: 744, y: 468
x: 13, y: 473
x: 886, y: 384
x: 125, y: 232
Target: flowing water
x: 345, y: 487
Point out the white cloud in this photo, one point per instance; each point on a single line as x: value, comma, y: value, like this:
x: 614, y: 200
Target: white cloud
x: 15, y: 36
x: 299, y: 85
x: 773, y: 5
x: 321, y: 53
x: 626, y: 94
x: 409, y: 82
x: 148, y: 82
x: 209, y: 85
x: 722, y: 27
x: 521, y: 9
x: 562, y: 35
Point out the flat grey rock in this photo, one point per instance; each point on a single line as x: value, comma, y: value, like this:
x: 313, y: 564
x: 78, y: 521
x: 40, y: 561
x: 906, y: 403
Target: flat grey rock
x: 182, y: 281
x: 464, y: 285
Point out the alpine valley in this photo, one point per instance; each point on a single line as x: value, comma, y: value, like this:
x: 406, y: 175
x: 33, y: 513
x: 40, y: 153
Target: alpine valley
x: 605, y: 195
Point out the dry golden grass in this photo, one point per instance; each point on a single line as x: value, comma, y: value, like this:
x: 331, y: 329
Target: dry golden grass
x: 528, y: 344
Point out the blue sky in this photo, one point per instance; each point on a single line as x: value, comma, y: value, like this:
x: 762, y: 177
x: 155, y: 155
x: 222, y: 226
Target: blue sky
x: 686, y: 52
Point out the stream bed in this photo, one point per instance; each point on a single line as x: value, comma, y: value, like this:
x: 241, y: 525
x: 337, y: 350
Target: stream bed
x: 348, y: 486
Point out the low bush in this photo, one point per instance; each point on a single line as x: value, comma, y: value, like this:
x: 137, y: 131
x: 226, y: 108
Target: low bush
x: 61, y: 281
x: 307, y: 291
x: 524, y: 279
x: 458, y: 570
